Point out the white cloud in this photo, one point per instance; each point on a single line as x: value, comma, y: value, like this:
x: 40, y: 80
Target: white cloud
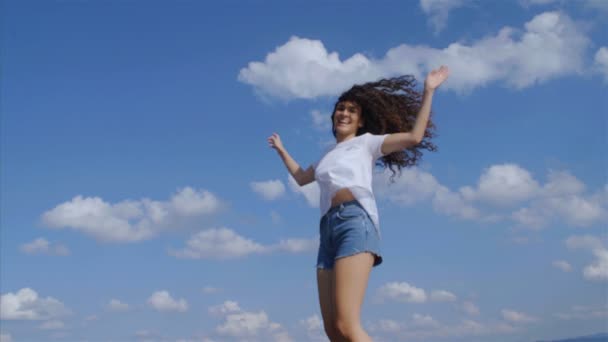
x: 504, y: 184
x: 601, y: 62
x: 470, y: 308
x: 117, y: 305
x: 238, y: 323
x: 224, y: 243
x: 162, y: 301
x: 218, y: 243
x: 27, y: 305
x: 517, y: 317
x: 225, y: 308
x: 598, y: 269
x: 424, y: 321
x: 562, y: 198
x: 499, y: 189
x: 43, y: 246
x: 52, y: 325
x: 415, y: 186
x: 584, y: 242
x: 269, y: 190
x: 130, y: 221
x: 402, y: 292
x: 549, y: 46
x: 442, y: 296
x: 438, y: 11
x: 424, y: 327
x: 562, y: 265
x: 310, y: 191
x: 189, y: 202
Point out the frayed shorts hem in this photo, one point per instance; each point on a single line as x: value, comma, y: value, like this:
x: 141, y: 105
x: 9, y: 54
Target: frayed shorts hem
x: 377, y: 259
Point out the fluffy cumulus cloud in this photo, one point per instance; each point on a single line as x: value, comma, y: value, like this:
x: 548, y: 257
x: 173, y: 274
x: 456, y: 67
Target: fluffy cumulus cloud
x: 601, y: 62
x: 503, y: 184
x: 130, y: 221
x: 224, y: 243
x: 438, y: 11
x: 311, y: 191
x: 415, y: 186
x: 269, y: 190
x: 563, y: 198
x: 402, y: 292
x: 163, y: 301
x: 503, y: 191
x: 43, y: 246
x: 598, y: 269
x: 25, y: 304
x: 549, y: 46
x: 241, y: 324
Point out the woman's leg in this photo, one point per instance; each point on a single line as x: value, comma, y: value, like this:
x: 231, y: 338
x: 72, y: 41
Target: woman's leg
x: 351, y: 276
x: 326, y: 287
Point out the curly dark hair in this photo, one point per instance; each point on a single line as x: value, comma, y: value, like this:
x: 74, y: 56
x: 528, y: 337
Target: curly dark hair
x: 390, y: 106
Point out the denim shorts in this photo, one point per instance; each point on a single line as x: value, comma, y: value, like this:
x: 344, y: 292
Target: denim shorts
x: 346, y: 230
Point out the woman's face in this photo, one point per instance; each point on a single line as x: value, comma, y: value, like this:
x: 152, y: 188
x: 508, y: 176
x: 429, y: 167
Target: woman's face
x: 347, y: 118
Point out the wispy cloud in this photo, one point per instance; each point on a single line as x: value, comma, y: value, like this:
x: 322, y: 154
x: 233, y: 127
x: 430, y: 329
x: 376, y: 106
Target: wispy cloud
x: 224, y: 243
x: 43, y: 246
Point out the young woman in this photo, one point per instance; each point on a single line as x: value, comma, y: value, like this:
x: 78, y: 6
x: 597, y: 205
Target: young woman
x: 387, y: 119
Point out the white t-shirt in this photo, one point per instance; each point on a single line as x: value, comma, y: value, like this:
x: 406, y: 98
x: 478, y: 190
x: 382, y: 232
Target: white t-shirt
x: 349, y: 164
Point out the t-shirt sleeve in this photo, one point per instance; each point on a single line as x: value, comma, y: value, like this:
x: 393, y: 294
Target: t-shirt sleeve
x: 374, y: 144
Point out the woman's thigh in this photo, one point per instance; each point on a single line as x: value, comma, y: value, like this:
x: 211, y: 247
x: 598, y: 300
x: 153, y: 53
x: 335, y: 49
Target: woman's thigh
x: 326, y: 288
x: 351, y: 278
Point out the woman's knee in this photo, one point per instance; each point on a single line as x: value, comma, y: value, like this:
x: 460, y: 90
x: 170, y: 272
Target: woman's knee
x: 347, y: 329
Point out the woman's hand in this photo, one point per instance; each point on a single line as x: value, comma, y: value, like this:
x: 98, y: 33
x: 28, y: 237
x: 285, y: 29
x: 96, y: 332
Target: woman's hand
x: 436, y: 77
x: 274, y: 141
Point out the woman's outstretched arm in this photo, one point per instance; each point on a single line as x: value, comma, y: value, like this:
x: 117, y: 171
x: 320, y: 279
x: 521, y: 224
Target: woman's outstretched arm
x: 400, y: 141
x: 302, y: 177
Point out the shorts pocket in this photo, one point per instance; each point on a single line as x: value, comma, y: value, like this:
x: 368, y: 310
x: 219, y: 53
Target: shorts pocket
x: 350, y: 212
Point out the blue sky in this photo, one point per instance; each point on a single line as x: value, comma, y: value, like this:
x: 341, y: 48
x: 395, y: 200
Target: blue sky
x: 140, y: 200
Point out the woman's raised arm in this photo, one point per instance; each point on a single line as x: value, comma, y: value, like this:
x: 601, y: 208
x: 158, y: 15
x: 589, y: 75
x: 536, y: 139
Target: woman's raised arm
x: 302, y: 177
x: 400, y: 141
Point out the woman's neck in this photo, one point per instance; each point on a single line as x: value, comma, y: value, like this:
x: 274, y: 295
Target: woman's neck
x: 341, y: 139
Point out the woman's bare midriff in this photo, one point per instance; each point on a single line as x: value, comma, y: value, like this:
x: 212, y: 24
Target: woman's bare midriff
x: 343, y: 195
